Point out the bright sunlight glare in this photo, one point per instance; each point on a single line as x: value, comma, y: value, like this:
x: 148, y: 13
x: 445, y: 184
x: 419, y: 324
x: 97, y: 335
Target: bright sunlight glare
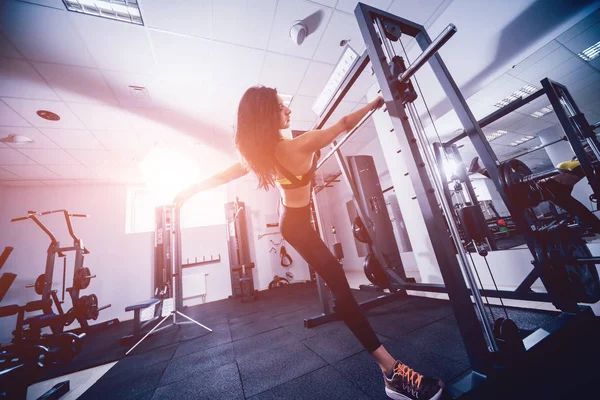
x: 166, y: 172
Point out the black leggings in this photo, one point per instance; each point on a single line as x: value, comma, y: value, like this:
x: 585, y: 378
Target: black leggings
x: 297, y: 230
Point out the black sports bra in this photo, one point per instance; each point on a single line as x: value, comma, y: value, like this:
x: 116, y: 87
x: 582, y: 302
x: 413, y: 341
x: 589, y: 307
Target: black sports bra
x: 292, y: 181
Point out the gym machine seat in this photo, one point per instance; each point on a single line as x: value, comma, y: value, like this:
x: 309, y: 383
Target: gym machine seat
x: 138, y: 325
x: 7, y: 311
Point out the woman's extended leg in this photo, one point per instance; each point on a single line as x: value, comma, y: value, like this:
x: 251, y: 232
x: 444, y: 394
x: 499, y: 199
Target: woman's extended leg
x: 401, y: 382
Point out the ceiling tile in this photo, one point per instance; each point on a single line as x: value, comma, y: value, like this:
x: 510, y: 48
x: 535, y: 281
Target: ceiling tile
x: 4, y: 174
x: 342, y: 26
x: 283, y: 72
x: 226, y: 64
x: 584, y: 82
x: 41, y: 141
x: 528, y: 126
x: 315, y: 79
x: 72, y: 171
x: 76, y: 84
x: 194, y: 18
x: 534, y: 58
x: 289, y: 11
x: 31, y: 171
x: 117, y: 140
x: 72, y: 138
x: 7, y: 49
x: 563, y: 70
x: 252, y: 25
x: 535, y: 73
x: 23, y: 183
x: 9, y: 117
x: 120, y: 82
x: 93, y: 158
x: 328, y: 3
x: 577, y: 74
x: 39, y: 34
x: 50, y: 156
x: 302, y: 108
x: 114, y: 44
x: 58, y: 4
x: 580, y: 27
x: 585, y: 39
x: 10, y: 156
x: 19, y: 79
x: 500, y: 88
x: 349, y: 5
x: 182, y: 58
x: 28, y: 109
x: 419, y: 12
x: 101, y: 117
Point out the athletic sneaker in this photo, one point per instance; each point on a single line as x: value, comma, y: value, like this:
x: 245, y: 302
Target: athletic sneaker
x: 407, y: 384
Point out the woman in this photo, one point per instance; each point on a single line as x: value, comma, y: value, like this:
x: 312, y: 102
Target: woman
x: 290, y: 165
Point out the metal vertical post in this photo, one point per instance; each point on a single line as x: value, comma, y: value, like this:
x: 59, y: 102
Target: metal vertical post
x: 472, y: 331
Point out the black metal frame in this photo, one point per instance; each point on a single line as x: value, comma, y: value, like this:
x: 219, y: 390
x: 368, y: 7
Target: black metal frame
x: 479, y: 343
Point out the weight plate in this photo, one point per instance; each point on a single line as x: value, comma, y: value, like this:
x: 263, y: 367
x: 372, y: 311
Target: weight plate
x: 39, y: 284
x: 374, y: 271
x: 360, y: 231
x: 81, y: 279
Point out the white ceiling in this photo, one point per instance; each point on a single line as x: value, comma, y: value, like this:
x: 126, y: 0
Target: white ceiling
x: 195, y: 59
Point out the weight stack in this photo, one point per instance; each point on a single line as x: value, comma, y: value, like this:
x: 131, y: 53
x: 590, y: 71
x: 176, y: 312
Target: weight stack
x: 163, y: 253
x: 237, y: 244
x: 370, y: 195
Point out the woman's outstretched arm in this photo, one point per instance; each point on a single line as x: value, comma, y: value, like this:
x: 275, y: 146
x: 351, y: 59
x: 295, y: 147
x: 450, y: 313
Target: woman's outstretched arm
x: 234, y: 172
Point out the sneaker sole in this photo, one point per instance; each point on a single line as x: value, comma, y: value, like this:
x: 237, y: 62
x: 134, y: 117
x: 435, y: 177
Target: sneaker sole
x: 397, y: 396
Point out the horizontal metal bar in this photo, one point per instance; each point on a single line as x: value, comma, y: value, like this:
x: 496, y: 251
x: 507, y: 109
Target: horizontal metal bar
x: 387, y: 189
x: 588, y: 260
x: 496, y: 115
x: 536, y: 148
x: 344, y: 139
x: 505, y: 294
x: 428, y: 52
x: 539, y: 176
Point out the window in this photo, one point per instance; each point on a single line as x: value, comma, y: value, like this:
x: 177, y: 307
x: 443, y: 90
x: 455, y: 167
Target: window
x: 206, y: 208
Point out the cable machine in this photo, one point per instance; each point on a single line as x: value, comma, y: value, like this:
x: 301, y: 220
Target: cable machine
x: 489, y: 345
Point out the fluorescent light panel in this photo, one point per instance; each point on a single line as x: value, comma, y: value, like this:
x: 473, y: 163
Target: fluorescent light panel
x: 521, y: 141
x: 495, y: 135
x: 590, y: 53
x: 349, y: 57
x: 523, y: 92
x: 120, y: 10
x: 543, y: 111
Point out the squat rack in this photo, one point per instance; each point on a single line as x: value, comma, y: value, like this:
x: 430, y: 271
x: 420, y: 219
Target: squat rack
x: 479, y: 341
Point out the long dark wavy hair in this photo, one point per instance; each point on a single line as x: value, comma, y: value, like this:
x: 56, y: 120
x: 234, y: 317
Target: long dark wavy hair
x: 257, y: 133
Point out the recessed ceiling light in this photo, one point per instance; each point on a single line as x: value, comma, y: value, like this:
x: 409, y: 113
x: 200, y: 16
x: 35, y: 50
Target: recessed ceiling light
x: 48, y: 115
x: 523, y: 92
x: 590, y: 53
x: 345, y: 63
x: 495, y: 135
x: 543, y: 111
x: 17, y: 139
x: 120, y: 10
